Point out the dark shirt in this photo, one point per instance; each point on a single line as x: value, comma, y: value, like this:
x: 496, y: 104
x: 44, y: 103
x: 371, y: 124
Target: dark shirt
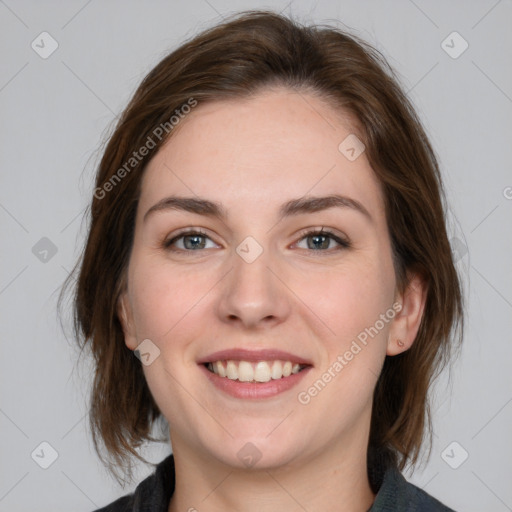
x: 395, y: 494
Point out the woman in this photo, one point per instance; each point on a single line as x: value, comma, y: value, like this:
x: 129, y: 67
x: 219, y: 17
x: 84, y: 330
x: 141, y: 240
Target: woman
x: 267, y: 237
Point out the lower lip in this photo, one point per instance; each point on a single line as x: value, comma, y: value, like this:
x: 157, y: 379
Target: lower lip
x: 254, y: 390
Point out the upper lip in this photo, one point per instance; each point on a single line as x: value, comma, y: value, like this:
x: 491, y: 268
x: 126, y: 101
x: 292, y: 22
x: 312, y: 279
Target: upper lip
x: 240, y: 354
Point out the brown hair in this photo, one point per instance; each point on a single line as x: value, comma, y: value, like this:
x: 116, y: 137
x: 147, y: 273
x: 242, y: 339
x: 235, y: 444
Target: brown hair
x: 257, y: 49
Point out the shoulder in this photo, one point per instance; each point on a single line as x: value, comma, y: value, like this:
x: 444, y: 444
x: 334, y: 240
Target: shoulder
x: 397, y: 494
x: 154, y: 493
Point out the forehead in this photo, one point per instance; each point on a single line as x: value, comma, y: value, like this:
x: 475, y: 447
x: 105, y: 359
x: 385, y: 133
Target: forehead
x: 264, y: 150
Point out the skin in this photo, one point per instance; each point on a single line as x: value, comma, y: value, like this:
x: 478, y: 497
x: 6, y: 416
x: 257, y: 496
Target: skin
x: 252, y: 156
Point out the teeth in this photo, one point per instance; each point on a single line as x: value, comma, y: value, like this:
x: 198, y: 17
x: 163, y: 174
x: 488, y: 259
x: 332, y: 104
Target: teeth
x: 231, y: 370
x: 219, y: 369
x: 277, y: 370
x: 262, y: 371
x: 245, y: 371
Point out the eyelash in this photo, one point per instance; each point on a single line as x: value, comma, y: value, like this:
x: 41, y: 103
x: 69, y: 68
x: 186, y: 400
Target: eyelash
x: 343, y: 243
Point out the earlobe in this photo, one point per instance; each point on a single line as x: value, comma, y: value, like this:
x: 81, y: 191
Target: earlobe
x: 124, y: 312
x: 407, y: 321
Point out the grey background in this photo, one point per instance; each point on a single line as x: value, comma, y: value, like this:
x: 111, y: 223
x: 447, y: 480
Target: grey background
x: 54, y: 115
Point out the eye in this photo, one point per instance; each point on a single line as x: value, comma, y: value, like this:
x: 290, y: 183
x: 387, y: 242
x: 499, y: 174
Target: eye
x: 188, y: 241
x: 321, y: 240
x: 316, y: 240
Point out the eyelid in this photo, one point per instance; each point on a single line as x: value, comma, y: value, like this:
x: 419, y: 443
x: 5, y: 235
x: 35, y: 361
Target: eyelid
x: 190, y: 231
x: 319, y: 230
x: 341, y: 239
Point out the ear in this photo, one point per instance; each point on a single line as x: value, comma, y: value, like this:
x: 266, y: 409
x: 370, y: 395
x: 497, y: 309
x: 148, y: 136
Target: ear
x: 125, y: 314
x: 407, y: 321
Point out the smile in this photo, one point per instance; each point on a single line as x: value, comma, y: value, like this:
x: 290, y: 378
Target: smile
x: 247, y: 371
x: 254, y: 374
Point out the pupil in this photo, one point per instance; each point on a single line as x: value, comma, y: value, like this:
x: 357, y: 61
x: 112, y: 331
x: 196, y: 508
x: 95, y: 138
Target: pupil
x: 194, y: 245
x: 316, y: 238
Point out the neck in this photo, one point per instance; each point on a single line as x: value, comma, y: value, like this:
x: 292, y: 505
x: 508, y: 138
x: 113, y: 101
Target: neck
x: 330, y: 481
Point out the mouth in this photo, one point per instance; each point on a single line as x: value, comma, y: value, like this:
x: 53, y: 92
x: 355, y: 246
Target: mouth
x: 254, y: 374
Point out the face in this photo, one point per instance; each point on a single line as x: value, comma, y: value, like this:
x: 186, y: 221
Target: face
x: 263, y: 280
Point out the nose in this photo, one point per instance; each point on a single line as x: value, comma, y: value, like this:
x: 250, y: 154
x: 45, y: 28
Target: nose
x: 253, y: 294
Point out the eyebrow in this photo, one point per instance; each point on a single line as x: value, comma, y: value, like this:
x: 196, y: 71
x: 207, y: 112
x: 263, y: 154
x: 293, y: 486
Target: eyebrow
x: 307, y: 204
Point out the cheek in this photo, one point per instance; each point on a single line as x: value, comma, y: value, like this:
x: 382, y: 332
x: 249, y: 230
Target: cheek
x: 351, y: 304
x: 167, y: 310
x: 164, y: 298
x: 351, y: 299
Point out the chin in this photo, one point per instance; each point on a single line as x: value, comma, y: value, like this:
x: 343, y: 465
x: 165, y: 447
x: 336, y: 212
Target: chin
x: 253, y: 452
